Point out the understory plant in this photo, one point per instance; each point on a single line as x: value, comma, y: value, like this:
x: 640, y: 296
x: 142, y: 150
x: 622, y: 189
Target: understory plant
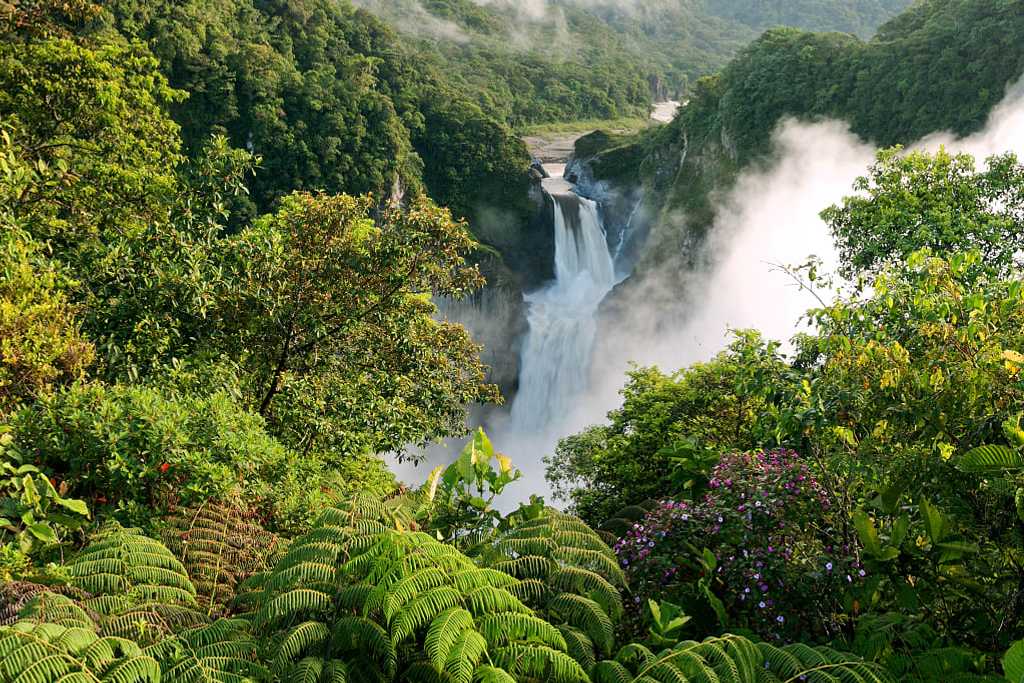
x: 758, y: 551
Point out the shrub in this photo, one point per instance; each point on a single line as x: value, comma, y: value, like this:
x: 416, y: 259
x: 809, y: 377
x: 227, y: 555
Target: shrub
x: 757, y: 549
x: 138, y: 450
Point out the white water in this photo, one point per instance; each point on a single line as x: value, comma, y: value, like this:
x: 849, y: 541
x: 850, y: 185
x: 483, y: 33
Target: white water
x: 562, y: 317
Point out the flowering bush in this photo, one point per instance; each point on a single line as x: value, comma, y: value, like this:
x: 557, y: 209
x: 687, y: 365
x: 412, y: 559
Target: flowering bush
x: 758, y: 549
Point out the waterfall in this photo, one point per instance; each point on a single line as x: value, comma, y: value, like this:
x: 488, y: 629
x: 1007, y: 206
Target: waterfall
x: 562, y: 317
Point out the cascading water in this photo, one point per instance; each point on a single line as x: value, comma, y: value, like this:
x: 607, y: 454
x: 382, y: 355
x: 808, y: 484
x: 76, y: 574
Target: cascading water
x: 562, y: 317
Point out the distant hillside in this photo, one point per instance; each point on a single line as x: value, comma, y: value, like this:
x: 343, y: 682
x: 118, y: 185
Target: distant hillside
x: 550, y: 60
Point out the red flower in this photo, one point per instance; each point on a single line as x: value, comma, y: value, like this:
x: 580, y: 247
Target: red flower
x: 164, y: 467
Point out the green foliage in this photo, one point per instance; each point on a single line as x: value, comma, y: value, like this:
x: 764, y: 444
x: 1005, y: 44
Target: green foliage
x: 670, y: 429
x: 916, y: 201
x: 1013, y: 662
x: 330, y: 318
x: 460, y: 497
x: 124, y: 563
x: 220, y: 546
x: 566, y: 572
x: 34, y: 515
x: 41, y: 345
x: 354, y: 596
x: 991, y: 458
x: 667, y: 622
x: 48, y: 652
x: 736, y: 659
x: 141, y: 449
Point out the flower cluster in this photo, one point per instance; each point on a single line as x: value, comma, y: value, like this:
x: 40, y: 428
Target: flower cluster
x: 766, y: 521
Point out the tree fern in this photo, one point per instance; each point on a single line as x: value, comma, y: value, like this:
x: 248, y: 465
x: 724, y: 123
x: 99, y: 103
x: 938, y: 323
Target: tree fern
x: 568, y: 573
x: 221, y: 652
x: 734, y: 659
x: 39, y: 653
x: 359, y: 597
x: 125, y: 563
x: 220, y: 546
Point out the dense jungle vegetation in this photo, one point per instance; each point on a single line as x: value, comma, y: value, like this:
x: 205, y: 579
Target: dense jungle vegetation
x: 200, y: 363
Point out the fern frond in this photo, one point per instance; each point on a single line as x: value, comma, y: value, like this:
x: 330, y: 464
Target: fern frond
x: 583, y: 582
x: 586, y: 615
x: 298, y: 641
x: 491, y: 674
x: 444, y: 632
x: 505, y: 627
x: 527, y: 567
x: 124, y: 562
x: 539, y: 662
x: 464, y: 656
x: 293, y: 605
x: 40, y: 652
x: 220, y: 546
x: 488, y: 599
x: 579, y: 647
x: 422, y: 611
x: 221, y: 652
x: 57, y: 609
x: 610, y: 671
x: 531, y: 591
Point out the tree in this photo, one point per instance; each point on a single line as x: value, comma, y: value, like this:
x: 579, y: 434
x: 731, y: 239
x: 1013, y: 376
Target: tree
x: 329, y: 315
x: 914, y: 201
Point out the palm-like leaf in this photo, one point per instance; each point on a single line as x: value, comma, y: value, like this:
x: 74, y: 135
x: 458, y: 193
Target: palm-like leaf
x: 991, y: 458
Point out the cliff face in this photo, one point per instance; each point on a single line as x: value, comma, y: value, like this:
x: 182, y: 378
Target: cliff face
x: 656, y: 191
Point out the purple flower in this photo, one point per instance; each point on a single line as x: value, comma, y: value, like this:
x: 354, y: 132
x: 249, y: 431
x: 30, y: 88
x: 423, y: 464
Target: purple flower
x: 828, y: 566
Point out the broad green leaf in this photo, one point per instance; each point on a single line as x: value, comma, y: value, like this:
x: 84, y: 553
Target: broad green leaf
x: 43, y: 532
x: 899, y: 530
x: 934, y: 523
x: 991, y: 458
x: 75, y: 505
x: 867, y: 532
x: 1013, y: 662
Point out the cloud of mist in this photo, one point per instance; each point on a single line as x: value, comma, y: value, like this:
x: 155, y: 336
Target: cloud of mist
x: 412, y: 18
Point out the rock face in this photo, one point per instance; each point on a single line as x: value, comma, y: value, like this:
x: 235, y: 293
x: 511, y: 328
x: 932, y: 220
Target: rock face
x: 626, y: 222
x: 496, y: 318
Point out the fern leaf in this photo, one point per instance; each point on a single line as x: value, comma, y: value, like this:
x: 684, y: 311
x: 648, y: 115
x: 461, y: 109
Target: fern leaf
x: 491, y: 674
x: 528, y: 661
x: 464, y: 655
x: 505, y: 627
x: 444, y: 632
x: 586, y: 615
